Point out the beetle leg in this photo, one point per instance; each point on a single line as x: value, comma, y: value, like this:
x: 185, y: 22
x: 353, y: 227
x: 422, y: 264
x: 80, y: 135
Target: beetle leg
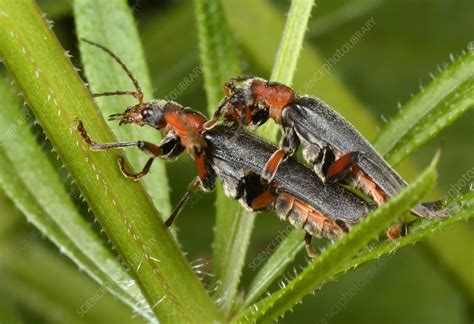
x: 324, y: 158
x: 309, y: 247
x: 193, y: 186
x: 217, y: 114
x: 264, y: 200
x: 205, y: 173
x: 290, y: 140
x: 169, y: 148
x: 342, y: 166
x: 396, y: 231
x: 142, y: 145
x: 289, y: 144
x: 271, y: 167
x: 136, y: 176
x: 346, y: 168
x: 258, y: 195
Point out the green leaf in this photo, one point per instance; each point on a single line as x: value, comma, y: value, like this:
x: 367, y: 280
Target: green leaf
x: 232, y: 237
x: 444, y: 100
x: 341, y: 252
x: 234, y: 225
x: 111, y: 24
x: 34, y: 288
x: 286, y: 252
x: 218, y: 52
x: 57, y: 97
x: 291, y: 43
x: 333, y: 14
x: 420, y: 229
x: 36, y: 189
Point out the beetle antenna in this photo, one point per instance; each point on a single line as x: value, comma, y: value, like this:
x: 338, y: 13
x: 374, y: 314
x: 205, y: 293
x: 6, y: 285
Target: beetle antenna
x: 138, y: 90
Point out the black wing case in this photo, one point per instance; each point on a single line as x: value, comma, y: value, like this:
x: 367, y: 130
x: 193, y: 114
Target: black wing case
x: 234, y: 153
x: 318, y: 124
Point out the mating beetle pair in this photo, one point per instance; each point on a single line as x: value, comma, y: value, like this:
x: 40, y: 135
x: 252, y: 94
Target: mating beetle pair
x: 256, y: 173
x: 335, y: 149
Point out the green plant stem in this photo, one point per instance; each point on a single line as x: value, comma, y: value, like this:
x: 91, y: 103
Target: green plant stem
x: 218, y: 52
x: 41, y: 196
x: 284, y: 68
x: 89, y: 254
x: 234, y: 225
x: 291, y: 43
x: 57, y: 97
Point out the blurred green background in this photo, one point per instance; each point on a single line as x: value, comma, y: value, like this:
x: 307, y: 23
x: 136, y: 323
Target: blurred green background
x: 411, y: 40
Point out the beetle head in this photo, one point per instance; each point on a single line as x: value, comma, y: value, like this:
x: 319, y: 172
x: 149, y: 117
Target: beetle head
x: 149, y: 113
x: 244, y: 106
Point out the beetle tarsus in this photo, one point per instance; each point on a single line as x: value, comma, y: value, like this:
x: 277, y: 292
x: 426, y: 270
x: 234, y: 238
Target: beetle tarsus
x: 309, y: 247
x: 193, y: 186
x: 136, y: 176
x: 340, y: 168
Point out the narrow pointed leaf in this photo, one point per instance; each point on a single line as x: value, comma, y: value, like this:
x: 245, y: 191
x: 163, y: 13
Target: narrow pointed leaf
x: 417, y: 231
x: 275, y: 266
x: 440, y: 103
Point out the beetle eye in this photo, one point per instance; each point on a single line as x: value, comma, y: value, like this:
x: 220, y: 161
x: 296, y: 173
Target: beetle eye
x: 147, y: 112
x: 152, y: 116
x: 260, y: 117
